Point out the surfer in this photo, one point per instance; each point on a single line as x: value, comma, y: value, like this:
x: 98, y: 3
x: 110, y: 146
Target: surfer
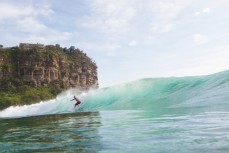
x: 77, y: 101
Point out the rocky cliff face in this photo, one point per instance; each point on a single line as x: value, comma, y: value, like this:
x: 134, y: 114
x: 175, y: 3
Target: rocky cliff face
x: 51, y: 64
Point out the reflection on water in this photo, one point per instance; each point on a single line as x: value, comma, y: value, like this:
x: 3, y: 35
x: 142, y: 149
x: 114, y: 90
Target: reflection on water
x: 117, y: 131
x: 53, y: 133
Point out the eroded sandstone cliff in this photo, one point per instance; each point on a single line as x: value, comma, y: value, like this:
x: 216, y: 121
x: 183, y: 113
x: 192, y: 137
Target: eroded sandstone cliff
x: 39, y: 65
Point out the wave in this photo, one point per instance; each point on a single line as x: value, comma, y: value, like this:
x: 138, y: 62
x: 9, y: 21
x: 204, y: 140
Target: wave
x: 158, y: 95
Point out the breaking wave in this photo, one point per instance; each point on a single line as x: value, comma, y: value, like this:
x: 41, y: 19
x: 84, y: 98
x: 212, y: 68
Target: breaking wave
x: 156, y: 95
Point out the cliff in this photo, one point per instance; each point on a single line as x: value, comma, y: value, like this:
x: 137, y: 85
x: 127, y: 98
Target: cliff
x: 39, y: 66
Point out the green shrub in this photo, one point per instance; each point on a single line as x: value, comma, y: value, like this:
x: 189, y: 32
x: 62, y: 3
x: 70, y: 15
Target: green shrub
x: 24, y: 94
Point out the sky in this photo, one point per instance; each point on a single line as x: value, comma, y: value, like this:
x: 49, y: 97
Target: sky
x: 128, y: 39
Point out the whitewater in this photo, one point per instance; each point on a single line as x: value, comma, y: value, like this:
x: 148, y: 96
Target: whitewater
x: 199, y: 93
x: 175, y: 114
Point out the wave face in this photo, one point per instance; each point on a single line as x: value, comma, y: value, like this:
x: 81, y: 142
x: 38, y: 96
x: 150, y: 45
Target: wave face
x: 156, y: 95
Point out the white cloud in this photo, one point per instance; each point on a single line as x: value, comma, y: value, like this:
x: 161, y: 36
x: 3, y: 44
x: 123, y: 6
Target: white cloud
x: 30, y: 24
x: 200, y: 39
x: 167, y: 10
x: 161, y: 28
x: 106, y: 48
x: 197, y: 13
x: 149, y: 40
x: 132, y: 43
x: 23, y: 17
x: 11, y: 11
x: 204, y: 11
x: 121, y: 21
x: 24, y: 22
x: 21, y: 10
x: 109, y: 16
x: 50, y: 37
x: 164, y: 13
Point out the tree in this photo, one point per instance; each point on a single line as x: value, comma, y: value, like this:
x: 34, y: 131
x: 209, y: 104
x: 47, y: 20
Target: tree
x: 72, y: 48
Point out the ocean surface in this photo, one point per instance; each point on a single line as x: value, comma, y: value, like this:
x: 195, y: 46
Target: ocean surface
x: 158, y: 115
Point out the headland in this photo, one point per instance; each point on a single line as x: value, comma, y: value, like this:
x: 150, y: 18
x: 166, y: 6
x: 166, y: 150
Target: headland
x: 30, y: 73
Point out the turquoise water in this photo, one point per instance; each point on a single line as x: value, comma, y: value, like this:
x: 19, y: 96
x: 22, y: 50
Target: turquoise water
x: 161, y: 115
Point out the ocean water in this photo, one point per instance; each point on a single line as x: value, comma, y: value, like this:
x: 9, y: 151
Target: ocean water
x: 158, y: 115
